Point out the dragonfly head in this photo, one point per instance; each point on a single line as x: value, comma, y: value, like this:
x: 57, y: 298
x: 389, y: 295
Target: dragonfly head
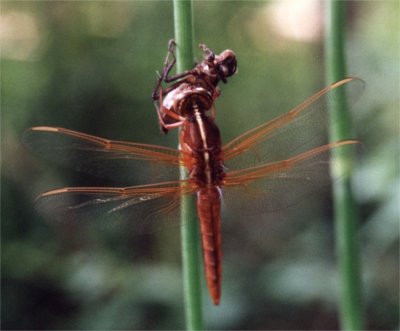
x: 220, y: 66
x: 226, y: 64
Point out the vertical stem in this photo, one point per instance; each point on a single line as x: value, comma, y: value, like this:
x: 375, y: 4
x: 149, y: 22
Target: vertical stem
x: 190, y: 230
x: 350, y: 307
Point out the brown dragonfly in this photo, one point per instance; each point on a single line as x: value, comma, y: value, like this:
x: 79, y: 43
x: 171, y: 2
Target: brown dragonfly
x: 268, y: 168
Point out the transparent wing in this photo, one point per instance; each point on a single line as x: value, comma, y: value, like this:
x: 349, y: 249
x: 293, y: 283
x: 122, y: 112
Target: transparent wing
x: 276, y: 186
x: 140, y: 209
x: 299, y: 130
x: 126, y: 162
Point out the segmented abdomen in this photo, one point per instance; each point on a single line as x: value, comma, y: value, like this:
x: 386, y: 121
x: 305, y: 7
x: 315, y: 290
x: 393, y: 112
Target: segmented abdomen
x: 209, y: 211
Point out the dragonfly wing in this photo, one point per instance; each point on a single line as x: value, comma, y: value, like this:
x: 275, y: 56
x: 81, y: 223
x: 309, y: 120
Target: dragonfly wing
x: 276, y: 186
x: 120, y: 161
x: 142, y: 209
x: 301, y: 129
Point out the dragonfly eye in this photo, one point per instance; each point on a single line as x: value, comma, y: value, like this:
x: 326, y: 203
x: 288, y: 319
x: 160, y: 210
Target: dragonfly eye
x: 227, y: 64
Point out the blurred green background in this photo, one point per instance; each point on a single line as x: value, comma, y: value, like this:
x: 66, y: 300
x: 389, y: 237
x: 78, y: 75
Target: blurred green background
x: 90, y: 66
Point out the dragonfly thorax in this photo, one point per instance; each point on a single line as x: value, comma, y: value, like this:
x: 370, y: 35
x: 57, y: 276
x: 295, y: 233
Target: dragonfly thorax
x: 186, y: 97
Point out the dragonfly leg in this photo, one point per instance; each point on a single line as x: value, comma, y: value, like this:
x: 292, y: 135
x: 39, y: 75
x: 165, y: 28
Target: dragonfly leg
x: 209, y: 55
x: 163, y: 113
x: 169, y: 63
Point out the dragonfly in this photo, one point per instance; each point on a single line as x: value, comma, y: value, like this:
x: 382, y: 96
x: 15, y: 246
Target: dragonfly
x: 268, y: 168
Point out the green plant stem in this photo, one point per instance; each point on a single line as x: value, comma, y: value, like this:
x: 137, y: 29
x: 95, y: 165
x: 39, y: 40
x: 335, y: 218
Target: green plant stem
x: 350, y: 306
x: 191, y: 257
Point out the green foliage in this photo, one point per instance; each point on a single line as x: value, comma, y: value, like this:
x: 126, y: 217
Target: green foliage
x: 190, y: 234
x: 346, y: 209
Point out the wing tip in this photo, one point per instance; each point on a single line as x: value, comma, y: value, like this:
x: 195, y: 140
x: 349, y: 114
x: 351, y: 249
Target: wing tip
x: 52, y: 192
x: 44, y: 128
x: 346, y: 80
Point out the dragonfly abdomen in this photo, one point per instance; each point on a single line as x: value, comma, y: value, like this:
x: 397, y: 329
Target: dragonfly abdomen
x: 209, y: 211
